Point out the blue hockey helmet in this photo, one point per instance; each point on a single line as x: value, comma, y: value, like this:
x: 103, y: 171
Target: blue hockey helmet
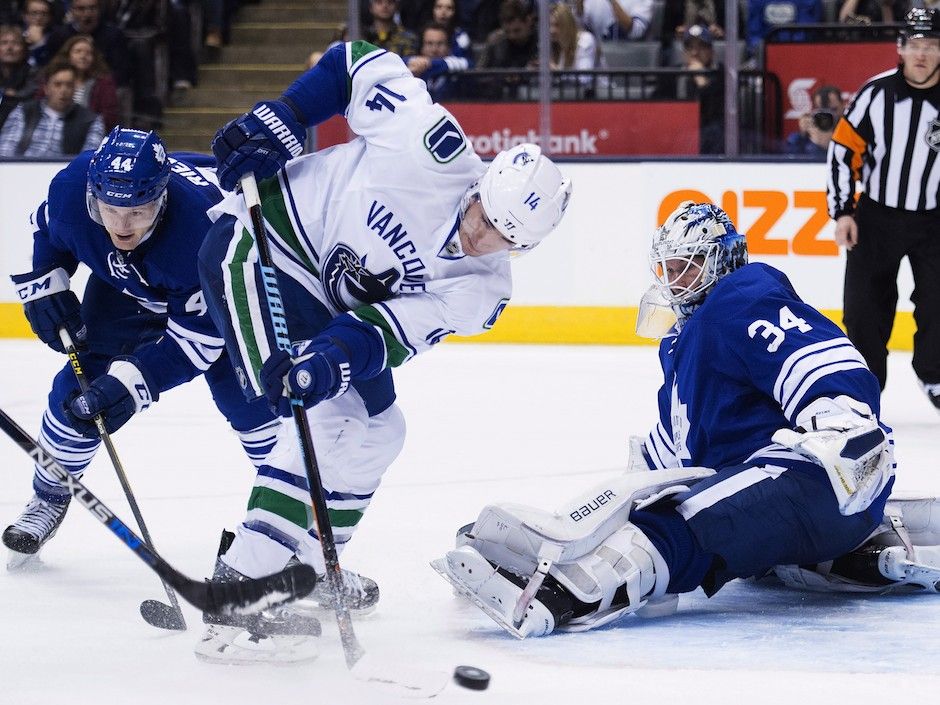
x: 695, y: 247
x: 129, y: 168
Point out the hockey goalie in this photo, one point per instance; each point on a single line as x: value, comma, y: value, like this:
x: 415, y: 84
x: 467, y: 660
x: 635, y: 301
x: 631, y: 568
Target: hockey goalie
x: 769, y: 456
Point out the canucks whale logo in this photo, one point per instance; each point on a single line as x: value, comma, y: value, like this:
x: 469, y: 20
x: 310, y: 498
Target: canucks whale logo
x: 349, y: 284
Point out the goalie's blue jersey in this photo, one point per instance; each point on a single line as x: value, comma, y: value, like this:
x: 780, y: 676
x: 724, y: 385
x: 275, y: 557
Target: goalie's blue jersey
x: 160, y: 274
x: 745, y: 363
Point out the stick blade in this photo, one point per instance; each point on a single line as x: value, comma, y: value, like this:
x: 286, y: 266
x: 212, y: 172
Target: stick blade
x: 162, y: 616
x: 256, y: 594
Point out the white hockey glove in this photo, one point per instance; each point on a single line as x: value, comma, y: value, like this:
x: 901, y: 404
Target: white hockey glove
x: 842, y: 435
x: 638, y: 461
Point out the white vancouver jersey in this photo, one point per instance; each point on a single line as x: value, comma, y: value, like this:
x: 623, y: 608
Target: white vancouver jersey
x: 370, y: 226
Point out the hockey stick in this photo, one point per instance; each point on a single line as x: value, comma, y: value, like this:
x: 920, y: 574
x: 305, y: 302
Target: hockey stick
x: 154, y: 612
x: 361, y: 667
x: 241, y: 597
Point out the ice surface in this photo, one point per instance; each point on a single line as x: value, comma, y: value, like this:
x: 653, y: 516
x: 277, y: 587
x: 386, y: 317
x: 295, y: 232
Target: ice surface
x: 531, y: 424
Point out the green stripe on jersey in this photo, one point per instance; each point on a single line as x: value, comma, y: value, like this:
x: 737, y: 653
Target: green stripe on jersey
x: 397, y: 353
x: 275, y: 212
x: 288, y: 508
x: 341, y: 518
x: 243, y: 297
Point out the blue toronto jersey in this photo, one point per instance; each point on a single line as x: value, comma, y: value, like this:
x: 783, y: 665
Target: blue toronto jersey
x: 161, y: 273
x: 745, y: 363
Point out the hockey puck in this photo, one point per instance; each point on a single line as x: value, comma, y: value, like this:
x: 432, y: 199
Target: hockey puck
x: 472, y: 677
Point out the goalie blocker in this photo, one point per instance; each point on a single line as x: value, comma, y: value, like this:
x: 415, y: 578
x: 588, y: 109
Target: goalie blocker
x: 585, y: 565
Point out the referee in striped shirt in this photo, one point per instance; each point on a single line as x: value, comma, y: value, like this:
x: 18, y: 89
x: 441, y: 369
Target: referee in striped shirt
x: 889, y: 139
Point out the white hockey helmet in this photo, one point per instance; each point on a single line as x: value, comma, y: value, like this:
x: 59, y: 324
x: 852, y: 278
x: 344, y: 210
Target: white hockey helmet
x: 703, y: 237
x: 523, y: 194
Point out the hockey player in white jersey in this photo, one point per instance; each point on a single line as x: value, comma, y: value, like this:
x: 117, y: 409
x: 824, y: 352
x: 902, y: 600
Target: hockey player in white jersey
x: 384, y: 246
x: 768, y: 452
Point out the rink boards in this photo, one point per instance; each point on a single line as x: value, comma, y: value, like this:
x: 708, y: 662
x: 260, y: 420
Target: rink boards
x: 583, y: 284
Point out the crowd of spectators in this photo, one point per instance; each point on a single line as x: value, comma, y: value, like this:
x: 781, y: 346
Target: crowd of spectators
x: 118, y: 60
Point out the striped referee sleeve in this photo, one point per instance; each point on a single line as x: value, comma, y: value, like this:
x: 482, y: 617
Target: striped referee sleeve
x: 888, y: 139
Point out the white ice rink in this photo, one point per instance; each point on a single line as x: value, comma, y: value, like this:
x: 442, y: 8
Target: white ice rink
x: 529, y: 424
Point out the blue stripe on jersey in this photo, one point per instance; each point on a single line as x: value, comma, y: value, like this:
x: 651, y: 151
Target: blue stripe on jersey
x: 287, y: 478
x: 338, y: 540
x: 363, y: 62
x: 336, y: 496
x: 272, y: 533
x: 403, y: 339
x: 293, y: 207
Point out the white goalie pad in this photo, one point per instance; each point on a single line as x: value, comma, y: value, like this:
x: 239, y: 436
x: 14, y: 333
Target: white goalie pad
x: 514, y: 536
x: 910, y: 561
x: 588, y: 546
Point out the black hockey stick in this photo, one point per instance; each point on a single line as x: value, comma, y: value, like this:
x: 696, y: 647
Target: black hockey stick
x: 154, y: 612
x: 240, y: 597
x: 424, y: 684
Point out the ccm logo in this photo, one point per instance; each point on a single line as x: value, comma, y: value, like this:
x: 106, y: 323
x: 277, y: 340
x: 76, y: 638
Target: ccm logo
x: 808, y: 207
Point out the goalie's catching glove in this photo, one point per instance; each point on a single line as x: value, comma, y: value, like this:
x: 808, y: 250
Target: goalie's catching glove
x: 843, y: 436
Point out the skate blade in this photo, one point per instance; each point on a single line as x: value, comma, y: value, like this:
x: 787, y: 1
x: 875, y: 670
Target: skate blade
x: 440, y: 566
x: 22, y: 562
x: 237, y: 646
x: 925, y: 576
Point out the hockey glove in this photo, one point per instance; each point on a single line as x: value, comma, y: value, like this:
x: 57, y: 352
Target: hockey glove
x: 319, y: 370
x: 259, y: 142
x: 49, y: 305
x: 843, y: 436
x: 116, y: 396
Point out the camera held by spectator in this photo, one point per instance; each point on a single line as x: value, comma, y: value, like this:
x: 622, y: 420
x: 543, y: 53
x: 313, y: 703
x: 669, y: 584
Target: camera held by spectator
x: 816, y: 126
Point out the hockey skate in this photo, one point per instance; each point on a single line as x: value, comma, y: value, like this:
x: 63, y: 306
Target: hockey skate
x: 271, y: 636
x: 32, y: 530
x: 360, y: 595
x: 496, y: 591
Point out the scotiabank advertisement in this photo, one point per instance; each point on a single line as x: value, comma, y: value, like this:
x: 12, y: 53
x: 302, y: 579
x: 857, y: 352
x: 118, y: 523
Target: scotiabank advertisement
x: 602, y: 129
x: 803, y: 68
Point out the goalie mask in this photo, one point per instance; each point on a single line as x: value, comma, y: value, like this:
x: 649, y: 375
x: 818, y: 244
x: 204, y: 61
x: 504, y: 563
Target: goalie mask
x: 695, y: 247
x: 127, y: 182
x: 523, y: 194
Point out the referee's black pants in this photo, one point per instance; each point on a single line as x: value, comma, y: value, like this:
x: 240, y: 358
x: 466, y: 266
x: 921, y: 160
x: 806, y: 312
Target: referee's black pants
x: 885, y: 236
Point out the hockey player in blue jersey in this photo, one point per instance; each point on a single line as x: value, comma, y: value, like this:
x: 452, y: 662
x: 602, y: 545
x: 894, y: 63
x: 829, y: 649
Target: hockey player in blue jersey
x: 768, y: 451
x: 136, y: 217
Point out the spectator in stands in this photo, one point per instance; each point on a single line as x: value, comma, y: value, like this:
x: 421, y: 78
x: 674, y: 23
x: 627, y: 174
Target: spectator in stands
x: 868, y: 11
x: 698, y: 54
x: 515, y: 44
x: 38, y: 23
x: 480, y: 18
x: 84, y: 17
x: 573, y: 49
x: 679, y: 16
x: 816, y: 126
x: 435, y: 62
x: 384, y: 31
x: 617, y: 19
x: 17, y: 77
x: 765, y: 15
x: 94, y: 84
x: 54, y: 126
x: 446, y: 14
x: 183, y: 63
